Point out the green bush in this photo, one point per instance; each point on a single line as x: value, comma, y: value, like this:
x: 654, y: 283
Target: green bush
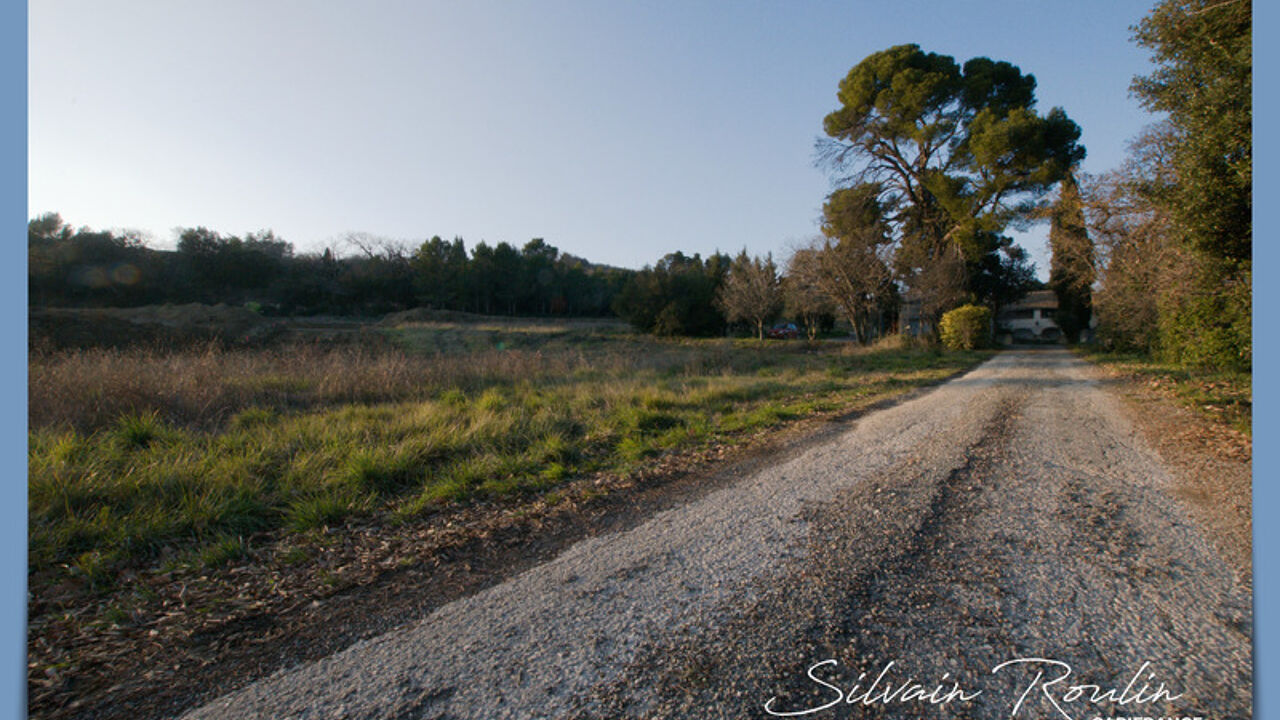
x: 1207, y: 322
x: 968, y: 327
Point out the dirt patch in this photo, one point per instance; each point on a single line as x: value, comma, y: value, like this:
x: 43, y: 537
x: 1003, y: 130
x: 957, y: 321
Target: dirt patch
x: 1212, y: 464
x: 429, y: 315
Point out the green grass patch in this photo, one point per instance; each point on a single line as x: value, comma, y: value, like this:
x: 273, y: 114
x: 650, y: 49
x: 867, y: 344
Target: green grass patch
x: 136, y: 431
x: 254, y: 417
x: 224, y: 550
x: 324, y: 507
x: 588, y: 400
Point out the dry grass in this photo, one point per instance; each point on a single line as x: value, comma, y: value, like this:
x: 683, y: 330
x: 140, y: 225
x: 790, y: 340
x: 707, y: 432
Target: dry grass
x: 136, y: 454
x: 204, y: 388
x: 90, y: 389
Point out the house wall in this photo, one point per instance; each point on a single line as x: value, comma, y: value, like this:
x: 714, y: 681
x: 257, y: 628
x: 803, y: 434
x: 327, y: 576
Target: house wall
x: 1040, y: 325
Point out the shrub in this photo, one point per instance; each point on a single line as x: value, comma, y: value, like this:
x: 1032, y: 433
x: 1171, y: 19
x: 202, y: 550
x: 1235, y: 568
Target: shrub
x: 968, y: 327
x: 1206, y: 323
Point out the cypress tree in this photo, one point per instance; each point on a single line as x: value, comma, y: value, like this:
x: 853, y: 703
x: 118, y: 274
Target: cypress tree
x: 1071, y: 267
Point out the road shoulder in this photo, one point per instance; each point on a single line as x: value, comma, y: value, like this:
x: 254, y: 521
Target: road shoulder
x: 1212, y: 465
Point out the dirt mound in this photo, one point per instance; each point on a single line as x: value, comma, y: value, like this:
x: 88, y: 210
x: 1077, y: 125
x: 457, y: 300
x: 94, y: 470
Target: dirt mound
x: 428, y: 315
x: 156, y: 325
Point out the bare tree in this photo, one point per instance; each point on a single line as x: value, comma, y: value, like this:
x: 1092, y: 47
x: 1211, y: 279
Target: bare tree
x: 858, y: 279
x: 852, y: 256
x: 934, y: 275
x: 1138, y: 261
x: 1157, y: 293
x: 803, y: 292
x: 372, y: 246
x: 751, y: 291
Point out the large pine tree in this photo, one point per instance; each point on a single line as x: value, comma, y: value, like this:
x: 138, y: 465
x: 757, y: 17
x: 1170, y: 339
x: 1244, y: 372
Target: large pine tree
x: 953, y: 154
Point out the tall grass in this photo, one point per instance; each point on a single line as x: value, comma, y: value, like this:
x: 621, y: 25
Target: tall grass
x: 90, y: 389
x: 133, y: 452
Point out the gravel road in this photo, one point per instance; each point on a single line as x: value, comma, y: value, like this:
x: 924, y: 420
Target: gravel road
x: 1008, y: 516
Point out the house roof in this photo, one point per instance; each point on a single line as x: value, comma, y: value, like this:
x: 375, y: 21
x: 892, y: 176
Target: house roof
x: 1041, y: 299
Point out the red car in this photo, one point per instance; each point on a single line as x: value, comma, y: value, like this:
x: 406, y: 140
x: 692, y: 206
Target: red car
x: 784, y: 331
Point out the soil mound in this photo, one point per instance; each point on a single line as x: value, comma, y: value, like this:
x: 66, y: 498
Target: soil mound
x: 429, y: 315
x: 156, y: 325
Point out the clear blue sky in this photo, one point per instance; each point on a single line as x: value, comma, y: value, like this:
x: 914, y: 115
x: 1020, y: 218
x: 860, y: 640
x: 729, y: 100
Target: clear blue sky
x: 617, y: 131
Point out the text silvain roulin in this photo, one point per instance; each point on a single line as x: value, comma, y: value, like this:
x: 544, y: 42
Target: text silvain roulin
x: 1052, y: 680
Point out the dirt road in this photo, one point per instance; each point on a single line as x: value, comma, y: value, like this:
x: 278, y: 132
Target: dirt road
x: 1002, y: 546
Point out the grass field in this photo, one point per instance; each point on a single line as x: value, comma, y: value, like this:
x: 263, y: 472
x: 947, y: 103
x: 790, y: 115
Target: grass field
x: 139, y: 458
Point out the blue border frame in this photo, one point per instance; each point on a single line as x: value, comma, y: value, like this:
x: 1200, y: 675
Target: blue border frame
x: 1266, y: 352
x: 13, y: 361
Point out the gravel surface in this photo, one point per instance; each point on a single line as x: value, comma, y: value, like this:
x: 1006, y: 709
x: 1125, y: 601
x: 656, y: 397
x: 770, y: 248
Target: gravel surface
x: 1009, y: 514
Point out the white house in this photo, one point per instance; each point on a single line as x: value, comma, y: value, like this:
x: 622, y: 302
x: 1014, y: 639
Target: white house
x: 1029, y: 320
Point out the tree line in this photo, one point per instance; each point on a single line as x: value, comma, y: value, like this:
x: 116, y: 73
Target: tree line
x: 85, y: 267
